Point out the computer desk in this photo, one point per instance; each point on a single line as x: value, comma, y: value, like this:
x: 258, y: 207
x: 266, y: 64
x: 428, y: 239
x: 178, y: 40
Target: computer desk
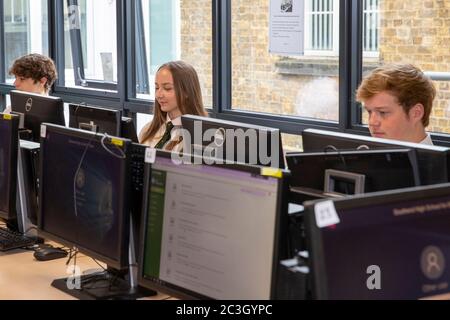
x: 22, y: 277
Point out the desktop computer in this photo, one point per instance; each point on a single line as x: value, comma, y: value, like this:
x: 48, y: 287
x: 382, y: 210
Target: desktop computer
x: 85, y: 199
x: 388, y: 245
x: 212, y: 231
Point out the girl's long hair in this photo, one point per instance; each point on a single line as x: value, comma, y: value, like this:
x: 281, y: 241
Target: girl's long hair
x: 188, y: 94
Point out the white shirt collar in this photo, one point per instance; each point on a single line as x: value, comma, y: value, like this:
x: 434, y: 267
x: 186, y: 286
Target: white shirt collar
x: 427, y: 140
x: 176, y: 122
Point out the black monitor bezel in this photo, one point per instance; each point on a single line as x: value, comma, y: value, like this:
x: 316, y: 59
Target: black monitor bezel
x: 77, y: 111
x: 290, y: 156
x: 188, y: 121
x: 423, y: 150
x: 314, y: 236
x: 121, y: 262
x: 13, y: 151
x: 51, y: 110
x: 280, y: 232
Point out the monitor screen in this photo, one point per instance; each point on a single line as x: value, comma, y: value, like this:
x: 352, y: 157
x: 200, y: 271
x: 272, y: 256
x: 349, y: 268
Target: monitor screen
x: 128, y: 129
x: 210, y: 231
x: 232, y: 141
x: 381, y: 170
x: 392, y: 245
x: 37, y: 109
x: 434, y: 161
x: 95, y: 119
x: 84, y: 192
x: 9, y: 140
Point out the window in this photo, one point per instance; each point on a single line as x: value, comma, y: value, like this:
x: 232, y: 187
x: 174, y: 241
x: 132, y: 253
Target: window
x: 322, y: 27
x: 274, y: 84
x: 26, y: 30
x: 90, y: 29
x: 173, y: 30
x: 412, y: 32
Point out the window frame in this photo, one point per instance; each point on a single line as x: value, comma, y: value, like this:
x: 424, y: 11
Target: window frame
x: 350, y: 70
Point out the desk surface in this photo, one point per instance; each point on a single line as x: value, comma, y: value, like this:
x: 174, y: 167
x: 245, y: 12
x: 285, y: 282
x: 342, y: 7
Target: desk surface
x: 24, y: 278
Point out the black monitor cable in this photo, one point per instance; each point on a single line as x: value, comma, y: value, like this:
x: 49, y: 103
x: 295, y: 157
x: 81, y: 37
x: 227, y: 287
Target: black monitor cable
x: 77, y: 172
x: 77, y: 122
x: 334, y: 149
x: 74, y: 252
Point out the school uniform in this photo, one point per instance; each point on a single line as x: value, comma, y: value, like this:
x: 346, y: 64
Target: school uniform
x: 175, y: 135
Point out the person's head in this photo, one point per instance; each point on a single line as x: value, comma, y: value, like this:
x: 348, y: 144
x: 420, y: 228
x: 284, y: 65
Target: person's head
x: 34, y: 73
x: 177, y: 92
x: 399, y: 99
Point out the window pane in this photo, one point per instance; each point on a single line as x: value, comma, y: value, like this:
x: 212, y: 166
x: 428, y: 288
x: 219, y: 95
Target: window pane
x: 414, y: 32
x: 305, y: 86
x: 26, y: 30
x: 173, y: 30
x: 97, y: 49
x: 292, y: 143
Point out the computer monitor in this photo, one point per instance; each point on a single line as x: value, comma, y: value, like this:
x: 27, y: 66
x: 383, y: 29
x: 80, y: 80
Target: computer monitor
x: 128, y: 129
x: 84, y: 193
x: 37, y: 109
x: 390, y: 245
x: 211, y: 231
x: 434, y: 161
x: 95, y: 119
x: 9, y: 142
x: 352, y: 172
x: 232, y: 141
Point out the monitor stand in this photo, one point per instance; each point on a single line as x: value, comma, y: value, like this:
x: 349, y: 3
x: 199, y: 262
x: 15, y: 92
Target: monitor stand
x: 26, y: 198
x: 107, y: 285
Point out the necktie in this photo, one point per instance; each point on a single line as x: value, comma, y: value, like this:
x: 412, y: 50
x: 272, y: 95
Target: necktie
x: 166, y: 137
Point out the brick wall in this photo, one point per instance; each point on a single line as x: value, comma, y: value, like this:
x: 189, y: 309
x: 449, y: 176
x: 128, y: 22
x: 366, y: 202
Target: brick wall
x: 418, y: 32
x: 411, y: 31
x: 196, y: 41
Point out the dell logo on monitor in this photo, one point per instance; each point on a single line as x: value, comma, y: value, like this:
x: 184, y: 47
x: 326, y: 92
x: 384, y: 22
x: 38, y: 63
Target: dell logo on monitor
x: 29, y: 105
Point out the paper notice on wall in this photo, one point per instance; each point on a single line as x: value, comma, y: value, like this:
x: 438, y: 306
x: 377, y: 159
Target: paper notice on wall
x: 287, y: 24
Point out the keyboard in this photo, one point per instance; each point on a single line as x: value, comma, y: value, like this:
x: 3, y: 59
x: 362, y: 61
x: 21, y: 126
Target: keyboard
x: 137, y: 167
x: 10, y: 240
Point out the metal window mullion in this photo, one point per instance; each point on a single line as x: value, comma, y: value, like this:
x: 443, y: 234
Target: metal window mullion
x: 222, y: 51
x: 77, y: 50
x: 131, y: 47
x: 120, y: 86
x: 354, y: 63
x: 56, y: 41
x: 2, y: 42
x: 140, y: 51
x: 370, y: 29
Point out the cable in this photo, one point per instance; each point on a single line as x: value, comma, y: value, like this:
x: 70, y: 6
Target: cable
x: 77, y: 173
x: 103, y: 268
x: 122, y: 155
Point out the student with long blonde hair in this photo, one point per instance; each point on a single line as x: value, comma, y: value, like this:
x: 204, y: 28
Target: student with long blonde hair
x: 177, y: 92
